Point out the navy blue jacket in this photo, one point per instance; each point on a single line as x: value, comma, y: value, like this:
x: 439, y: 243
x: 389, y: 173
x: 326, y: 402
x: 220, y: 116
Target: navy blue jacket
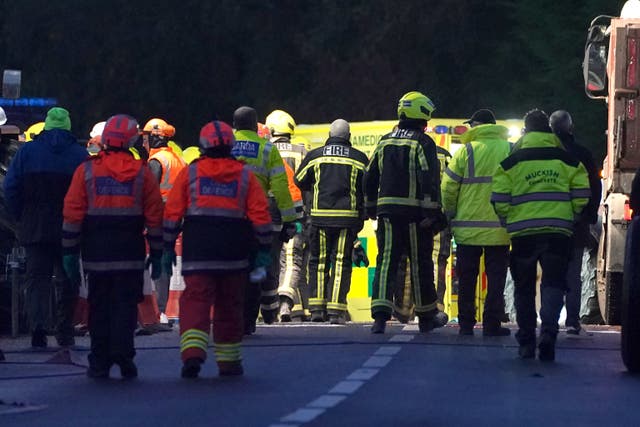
x: 36, y: 183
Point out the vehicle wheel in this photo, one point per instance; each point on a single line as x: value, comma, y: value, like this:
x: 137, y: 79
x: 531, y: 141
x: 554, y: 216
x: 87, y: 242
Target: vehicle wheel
x: 609, y: 285
x: 631, y: 299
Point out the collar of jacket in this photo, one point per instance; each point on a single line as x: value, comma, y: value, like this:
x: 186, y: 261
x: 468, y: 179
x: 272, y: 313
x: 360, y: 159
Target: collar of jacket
x: 246, y: 135
x: 540, y: 140
x: 335, y: 140
x: 483, y: 132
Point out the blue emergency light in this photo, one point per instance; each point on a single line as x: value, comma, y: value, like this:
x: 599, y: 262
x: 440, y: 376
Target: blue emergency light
x: 440, y: 129
x: 28, y: 102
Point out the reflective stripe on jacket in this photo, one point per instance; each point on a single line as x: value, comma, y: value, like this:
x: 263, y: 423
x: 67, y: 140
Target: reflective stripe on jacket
x: 403, y: 176
x: 225, y: 215
x: 466, y: 186
x: 334, y: 174
x: 264, y: 160
x: 540, y: 188
x: 172, y: 164
x: 111, y: 200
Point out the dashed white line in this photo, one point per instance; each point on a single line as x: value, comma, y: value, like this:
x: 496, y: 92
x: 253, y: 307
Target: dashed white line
x: 350, y: 385
x: 401, y: 338
x: 303, y: 415
x: 377, y: 362
x: 346, y: 387
x: 327, y: 401
x: 388, y: 350
x: 363, y: 374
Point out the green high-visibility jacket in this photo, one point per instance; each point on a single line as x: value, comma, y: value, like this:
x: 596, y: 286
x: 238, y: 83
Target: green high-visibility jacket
x: 466, y: 186
x: 264, y: 160
x: 540, y: 188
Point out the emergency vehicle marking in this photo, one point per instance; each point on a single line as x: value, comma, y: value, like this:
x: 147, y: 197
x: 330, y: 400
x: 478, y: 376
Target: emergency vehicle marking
x: 108, y: 186
x: 209, y: 187
x: 248, y: 149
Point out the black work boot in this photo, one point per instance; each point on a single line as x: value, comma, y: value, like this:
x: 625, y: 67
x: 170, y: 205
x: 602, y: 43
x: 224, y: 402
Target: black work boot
x: 547, y: 347
x: 191, y: 367
x: 527, y: 351
x: 428, y: 323
x: 495, y: 331
x: 285, y: 308
x: 228, y: 369
x: 337, y: 319
x: 318, y: 316
x: 379, y: 325
x: 39, y: 339
x: 269, y: 316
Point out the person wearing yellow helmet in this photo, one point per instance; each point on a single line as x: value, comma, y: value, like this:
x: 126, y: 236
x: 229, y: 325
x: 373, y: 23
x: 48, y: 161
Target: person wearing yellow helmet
x: 33, y: 131
x: 282, y: 128
x: 402, y: 187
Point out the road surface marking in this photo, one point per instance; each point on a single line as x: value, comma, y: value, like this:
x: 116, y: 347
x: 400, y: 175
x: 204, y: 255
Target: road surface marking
x: 346, y: 387
x: 303, y: 415
x: 327, y: 401
x: 377, y: 362
x: 401, y: 338
x: 363, y: 374
x: 388, y: 350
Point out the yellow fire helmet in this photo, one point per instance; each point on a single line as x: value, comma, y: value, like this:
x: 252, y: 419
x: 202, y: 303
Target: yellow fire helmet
x: 33, y: 131
x: 415, y: 105
x: 280, y: 123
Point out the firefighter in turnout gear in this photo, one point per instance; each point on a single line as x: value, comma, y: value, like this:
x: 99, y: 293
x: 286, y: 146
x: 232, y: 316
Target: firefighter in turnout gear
x: 263, y: 158
x: 466, y: 194
x: 402, y: 189
x: 222, y: 210
x: 165, y: 164
x: 538, y: 192
x: 334, y: 175
x: 112, y: 199
x: 290, y: 265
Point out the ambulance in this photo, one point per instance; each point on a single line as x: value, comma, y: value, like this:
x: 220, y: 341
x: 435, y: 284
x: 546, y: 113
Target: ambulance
x: 365, y: 136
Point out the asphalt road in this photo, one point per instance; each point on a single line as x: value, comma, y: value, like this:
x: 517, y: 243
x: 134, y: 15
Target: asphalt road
x: 322, y: 375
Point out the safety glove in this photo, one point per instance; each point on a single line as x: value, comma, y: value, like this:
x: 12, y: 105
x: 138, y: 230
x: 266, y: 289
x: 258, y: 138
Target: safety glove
x: 71, y: 265
x: 435, y: 221
x: 289, y: 230
x: 261, y: 262
x: 167, y: 261
x: 358, y: 255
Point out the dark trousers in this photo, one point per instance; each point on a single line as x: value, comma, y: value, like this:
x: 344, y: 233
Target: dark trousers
x: 496, y: 263
x: 552, y: 251
x: 113, y: 312
x: 264, y: 296
x: 573, y: 298
x: 44, y: 268
x: 330, y: 267
x: 223, y: 291
x: 396, y: 237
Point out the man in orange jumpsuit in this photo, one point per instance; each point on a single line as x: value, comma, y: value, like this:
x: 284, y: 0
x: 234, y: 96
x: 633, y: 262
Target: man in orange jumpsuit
x: 223, y: 213
x: 112, y: 199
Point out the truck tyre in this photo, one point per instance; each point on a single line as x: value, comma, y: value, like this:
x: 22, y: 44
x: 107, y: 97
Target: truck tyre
x: 631, y: 299
x: 608, y: 284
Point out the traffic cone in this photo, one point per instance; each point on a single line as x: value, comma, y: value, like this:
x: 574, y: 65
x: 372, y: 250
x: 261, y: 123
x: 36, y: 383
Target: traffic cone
x: 176, y: 284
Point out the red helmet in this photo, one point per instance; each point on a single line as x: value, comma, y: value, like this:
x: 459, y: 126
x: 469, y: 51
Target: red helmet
x: 216, y: 133
x: 120, y: 131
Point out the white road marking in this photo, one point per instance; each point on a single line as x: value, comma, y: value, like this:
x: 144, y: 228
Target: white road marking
x: 401, y: 338
x: 346, y: 387
x: 302, y: 415
x: 363, y: 374
x: 327, y: 401
x: 380, y: 358
x: 412, y: 327
x: 388, y: 350
x: 377, y: 362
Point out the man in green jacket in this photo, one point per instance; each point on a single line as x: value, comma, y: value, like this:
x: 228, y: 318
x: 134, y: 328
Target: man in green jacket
x: 538, y: 193
x: 466, y: 193
x: 266, y: 163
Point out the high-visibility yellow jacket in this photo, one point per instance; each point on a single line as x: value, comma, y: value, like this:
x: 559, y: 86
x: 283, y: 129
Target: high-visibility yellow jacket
x: 265, y: 162
x: 540, y: 188
x: 466, y: 186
